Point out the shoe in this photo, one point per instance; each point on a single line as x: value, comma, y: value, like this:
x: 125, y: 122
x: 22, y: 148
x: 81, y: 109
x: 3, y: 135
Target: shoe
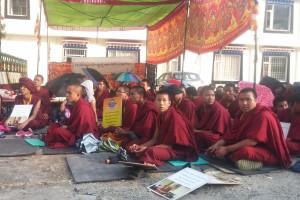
x: 20, y: 134
x: 111, y: 145
x: 248, y: 164
x: 29, y: 134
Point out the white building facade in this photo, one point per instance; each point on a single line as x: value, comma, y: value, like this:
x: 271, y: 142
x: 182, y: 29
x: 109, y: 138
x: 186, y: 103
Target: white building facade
x: 278, y: 39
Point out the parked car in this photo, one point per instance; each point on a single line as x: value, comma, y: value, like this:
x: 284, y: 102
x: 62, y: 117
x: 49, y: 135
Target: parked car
x: 189, y: 78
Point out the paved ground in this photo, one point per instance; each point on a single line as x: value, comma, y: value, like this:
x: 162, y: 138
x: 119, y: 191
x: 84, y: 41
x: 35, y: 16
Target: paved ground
x: 44, y: 177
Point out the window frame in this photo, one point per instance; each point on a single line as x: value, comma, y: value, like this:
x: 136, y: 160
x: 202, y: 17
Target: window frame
x: 291, y: 20
x: 124, y: 49
x: 25, y: 17
x: 277, y: 54
x: 227, y: 52
x: 66, y: 47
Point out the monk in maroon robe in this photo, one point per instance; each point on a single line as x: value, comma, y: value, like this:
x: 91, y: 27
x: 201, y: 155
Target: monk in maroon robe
x: 101, y: 94
x: 82, y: 121
x: 279, y: 103
x: 255, y: 139
x: 144, y: 125
x: 173, y: 138
x: 213, y: 120
x: 191, y: 94
x: 293, y: 137
x: 182, y: 104
x: 36, y: 119
x: 229, y: 100
x: 44, y: 95
x: 150, y: 95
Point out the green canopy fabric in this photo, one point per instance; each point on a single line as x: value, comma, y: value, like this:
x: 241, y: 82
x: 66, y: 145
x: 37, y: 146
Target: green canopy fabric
x: 122, y: 13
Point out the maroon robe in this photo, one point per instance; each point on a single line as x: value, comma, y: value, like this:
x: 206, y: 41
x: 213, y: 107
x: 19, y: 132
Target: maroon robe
x: 37, y: 123
x: 294, y: 135
x: 214, y: 122
x: 261, y: 125
x: 129, y: 114
x: 285, y: 115
x: 150, y: 95
x: 187, y: 107
x: 99, y: 102
x: 232, y: 108
x: 144, y: 125
x: 197, y: 101
x: 175, y: 131
x: 81, y: 121
x: 44, y: 95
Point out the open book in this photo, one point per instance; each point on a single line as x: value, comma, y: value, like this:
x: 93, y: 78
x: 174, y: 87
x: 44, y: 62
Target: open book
x: 19, y: 114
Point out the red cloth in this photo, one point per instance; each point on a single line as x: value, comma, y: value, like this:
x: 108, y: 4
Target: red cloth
x: 285, y: 115
x: 232, y: 108
x: 187, y: 107
x: 28, y: 83
x: 144, y: 125
x: 294, y: 147
x: 39, y: 122
x: 81, y: 121
x: 294, y: 135
x: 175, y: 131
x: 99, y: 101
x: 216, y: 120
x: 145, y: 122
x: 261, y: 125
x: 255, y: 154
x: 197, y: 101
x: 129, y: 114
x: 44, y: 95
x: 150, y: 95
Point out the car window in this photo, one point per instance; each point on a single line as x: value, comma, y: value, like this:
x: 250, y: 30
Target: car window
x: 160, y: 78
x: 167, y: 77
x: 177, y: 76
x: 187, y: 76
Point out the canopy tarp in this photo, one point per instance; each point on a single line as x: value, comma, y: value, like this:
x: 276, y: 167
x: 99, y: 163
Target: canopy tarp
x: 211, y: 25
x: 107, y: 14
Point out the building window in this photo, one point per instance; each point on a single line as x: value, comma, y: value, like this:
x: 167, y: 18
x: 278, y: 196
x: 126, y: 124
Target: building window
x: 17, y: 9
x: 279, y: 16
x: 276, y: 65
x: 227, y: 66
x: 74, y: 50
x: 120, y: 49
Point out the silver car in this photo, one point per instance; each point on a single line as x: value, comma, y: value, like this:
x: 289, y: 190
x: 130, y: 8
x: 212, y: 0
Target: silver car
x: 189, y: 78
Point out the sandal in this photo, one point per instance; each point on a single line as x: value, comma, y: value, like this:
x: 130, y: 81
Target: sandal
x: 28, y: 134
x: 20, y: 134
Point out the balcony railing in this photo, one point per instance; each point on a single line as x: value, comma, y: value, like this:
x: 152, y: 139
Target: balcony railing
x: 11, y: 69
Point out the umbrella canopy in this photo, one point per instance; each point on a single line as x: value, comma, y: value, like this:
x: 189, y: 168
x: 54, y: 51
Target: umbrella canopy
x: 58, y: 86
x: 265, y: 96
x: 95, y: 76
x: 126, y: 77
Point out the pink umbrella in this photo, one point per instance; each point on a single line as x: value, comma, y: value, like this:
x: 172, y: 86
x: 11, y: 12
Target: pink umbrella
x: 265, y: 96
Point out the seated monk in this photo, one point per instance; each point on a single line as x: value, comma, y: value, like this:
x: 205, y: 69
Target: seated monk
x: 36, y: 119
x: 82, y: 121
x: 293, y: 137
x: 101, y: 94
x: 44, y: 95
x: 128, y: 114
x: 144, y: 125
x: 179, y: 102
x: 150, y: 94
x: 255, y: 138
x: 173, y: 138
x: 279, y: 103
x: 214, y: 120
x: 229, y: 100
x: 191, y: 94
